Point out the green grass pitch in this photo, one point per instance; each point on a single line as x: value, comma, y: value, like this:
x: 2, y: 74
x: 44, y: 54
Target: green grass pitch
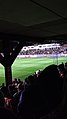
x: 23, y: 67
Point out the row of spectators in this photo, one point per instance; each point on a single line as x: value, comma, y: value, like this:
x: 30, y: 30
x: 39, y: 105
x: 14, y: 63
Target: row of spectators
x: 55, y: 50
x: 42, y: 95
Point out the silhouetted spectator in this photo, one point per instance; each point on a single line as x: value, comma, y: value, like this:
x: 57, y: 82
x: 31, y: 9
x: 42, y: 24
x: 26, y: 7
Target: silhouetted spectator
x: 43, y: 96
x: 19, y: 81
x: 5, y: 91
x: 62, y: 69
x: 16, y: 97
x: 15, y: 82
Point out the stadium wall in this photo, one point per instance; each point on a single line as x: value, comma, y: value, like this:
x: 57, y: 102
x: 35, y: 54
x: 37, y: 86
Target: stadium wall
x: 42, y: 55
x: 23, y: 56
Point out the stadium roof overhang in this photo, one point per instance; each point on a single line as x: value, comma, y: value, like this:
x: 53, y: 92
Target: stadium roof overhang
x: 26, y: 22
x: 33, y: 19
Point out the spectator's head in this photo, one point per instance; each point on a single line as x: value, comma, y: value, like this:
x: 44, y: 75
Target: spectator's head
x: 19, y: 81
x: 4, y: 89
x: 31, y: 79
x: 62, y: 70
x: 20, y: 87
x: 49, y: 73
x: 3, y: 84
x: 66, y: 65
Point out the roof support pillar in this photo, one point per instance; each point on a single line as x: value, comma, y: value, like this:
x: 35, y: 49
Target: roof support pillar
x: 8, y: 75
x: 7, y: 65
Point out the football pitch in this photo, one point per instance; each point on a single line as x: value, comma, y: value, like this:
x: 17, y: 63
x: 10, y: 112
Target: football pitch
x: 23, y: 67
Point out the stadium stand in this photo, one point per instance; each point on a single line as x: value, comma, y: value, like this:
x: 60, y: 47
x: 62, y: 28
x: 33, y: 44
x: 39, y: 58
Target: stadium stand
x: 43, y: 50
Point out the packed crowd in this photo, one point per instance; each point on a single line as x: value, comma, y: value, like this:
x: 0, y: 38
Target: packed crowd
x: 61, y: 49
x: 42, y: 95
